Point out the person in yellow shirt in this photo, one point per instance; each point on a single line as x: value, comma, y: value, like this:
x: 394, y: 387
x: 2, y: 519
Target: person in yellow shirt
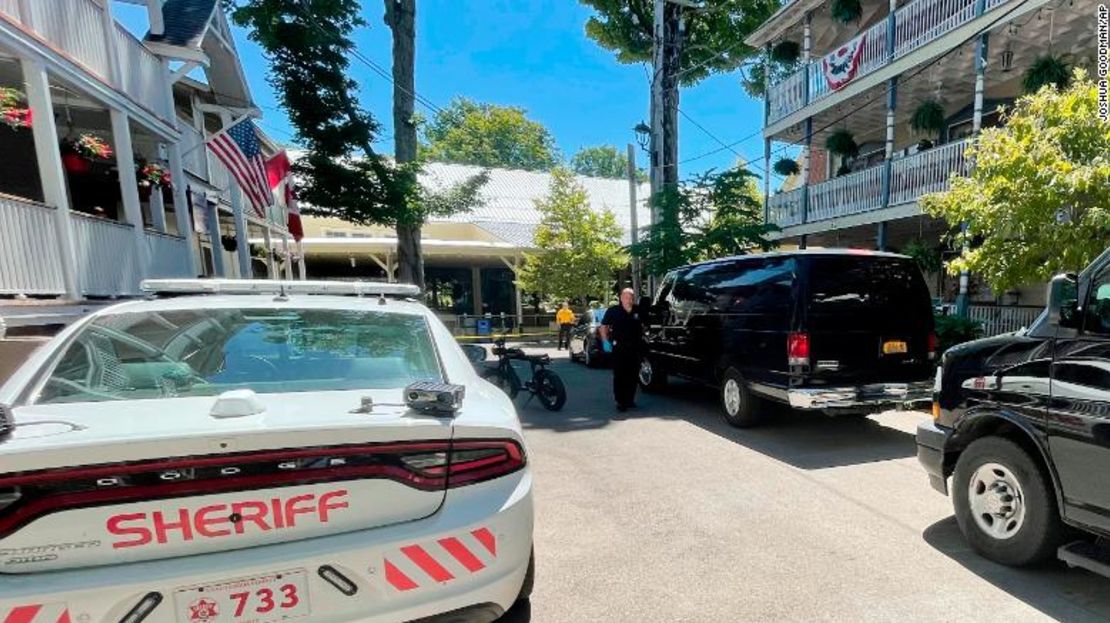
x: 565, y: 319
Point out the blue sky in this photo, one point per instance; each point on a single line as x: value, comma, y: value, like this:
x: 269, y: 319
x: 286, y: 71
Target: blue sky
x: 534, y: 55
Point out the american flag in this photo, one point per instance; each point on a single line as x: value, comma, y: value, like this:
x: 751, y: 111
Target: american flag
x: 241, y: 152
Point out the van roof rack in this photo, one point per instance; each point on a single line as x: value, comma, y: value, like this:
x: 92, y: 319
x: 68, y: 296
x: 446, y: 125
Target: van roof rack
x: 277, y: 287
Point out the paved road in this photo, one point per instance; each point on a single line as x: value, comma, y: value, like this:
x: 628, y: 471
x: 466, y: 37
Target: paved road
x: 670, y: 515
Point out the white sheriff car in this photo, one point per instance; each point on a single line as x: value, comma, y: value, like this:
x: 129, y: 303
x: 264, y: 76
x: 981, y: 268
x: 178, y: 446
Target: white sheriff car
x: 260, y: 451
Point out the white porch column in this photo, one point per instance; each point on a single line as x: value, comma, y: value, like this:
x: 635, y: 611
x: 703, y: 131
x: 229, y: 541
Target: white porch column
x: 519, y: 298
x: 129, y: 190
x: 181, y: 205
x: 213, y: 210
x: 288, y: 256
x: 244, y: 252
x: 302, y: 268
x: 157, y: 200
x: 268, y: 240
x: 48, y: 155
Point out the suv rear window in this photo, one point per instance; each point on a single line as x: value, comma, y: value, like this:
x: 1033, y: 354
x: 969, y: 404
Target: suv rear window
x: 864, y: 290
x: 165, y: 354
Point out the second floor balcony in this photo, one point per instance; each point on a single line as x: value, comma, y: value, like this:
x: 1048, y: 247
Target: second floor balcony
x: 909, y: 30
x: 888, y: 184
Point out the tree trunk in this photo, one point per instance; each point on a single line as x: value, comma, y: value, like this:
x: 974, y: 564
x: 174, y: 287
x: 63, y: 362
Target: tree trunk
x: 672, y: 53
x: 400, y: 16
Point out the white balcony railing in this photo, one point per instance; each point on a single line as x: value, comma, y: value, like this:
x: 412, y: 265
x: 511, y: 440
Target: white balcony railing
x: 916, y: 24
x: 167, y: 255
x: 141, y: 73
x: 926, y: 172
x: 849, y: 194
x: 76, y: 28
x: 29, y: 261
x: 786, y: 208
x: 910, y: 178
x: 999, y: 319
x: 920, y: 22
x: 106, y: 261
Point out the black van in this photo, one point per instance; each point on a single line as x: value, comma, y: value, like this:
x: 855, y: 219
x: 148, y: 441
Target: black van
x: 1021, y: 426
x: 840, y: 331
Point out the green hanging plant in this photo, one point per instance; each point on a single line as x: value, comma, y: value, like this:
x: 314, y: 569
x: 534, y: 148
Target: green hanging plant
x: 928, y: 118
x: 842, y: 143
x: 846, y: 11
x: 786, y: 167
x: 786, y: 52
x: 1046, y: 69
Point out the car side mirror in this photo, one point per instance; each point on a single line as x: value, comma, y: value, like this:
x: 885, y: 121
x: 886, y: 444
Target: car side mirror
x: 1063, y: 301
x: 474, y: 352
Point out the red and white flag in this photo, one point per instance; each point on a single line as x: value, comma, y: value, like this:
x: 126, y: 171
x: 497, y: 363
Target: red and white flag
x: 840, y: 65
x: 240, y: 150
x: 279, y: 172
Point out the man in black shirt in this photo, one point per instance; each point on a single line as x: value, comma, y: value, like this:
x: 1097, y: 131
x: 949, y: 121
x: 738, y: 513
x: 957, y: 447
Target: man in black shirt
x: 622, y: 333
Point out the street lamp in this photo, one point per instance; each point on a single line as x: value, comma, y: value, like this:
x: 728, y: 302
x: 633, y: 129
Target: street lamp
x: 643, y: 135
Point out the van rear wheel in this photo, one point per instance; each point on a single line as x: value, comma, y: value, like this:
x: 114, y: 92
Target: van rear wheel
x: 741, y: 408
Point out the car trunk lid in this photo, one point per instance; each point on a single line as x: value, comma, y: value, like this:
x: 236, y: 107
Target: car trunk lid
x: 120, y: 481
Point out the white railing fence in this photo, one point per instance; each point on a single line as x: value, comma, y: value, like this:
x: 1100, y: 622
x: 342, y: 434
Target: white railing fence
x: 998, y: 319
x: 787, y: 96
x: 76, y: 27
x: 166, y: 255
x: 926, y: 172
x: 10, y: 8
x: 786, y: 208
x: 141, y: 72
x: 916, y: 24
x: 29, y: 260
x: 920, y: 22
x: 849, y: 194
x: 106, y: 260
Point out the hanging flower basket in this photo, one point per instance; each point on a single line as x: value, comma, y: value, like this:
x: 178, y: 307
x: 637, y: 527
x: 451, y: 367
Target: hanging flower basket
x: 846, y: 11
x: 786, y: 167
x: 1046, y: 69
x: 229, y: 243
x: 842, y: 143
x: 154, y: 174
x: 75, y: 163
x: 928, y: 118
x: 786, y: 52
x: 13, y: 110
x: 88, y: 146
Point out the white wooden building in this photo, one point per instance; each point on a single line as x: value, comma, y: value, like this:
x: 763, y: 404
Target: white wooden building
x: 89, y: 231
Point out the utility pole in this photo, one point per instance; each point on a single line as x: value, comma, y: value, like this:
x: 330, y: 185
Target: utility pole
x: 400, y: 16
x: 634, y: 217
x: 656, y: 107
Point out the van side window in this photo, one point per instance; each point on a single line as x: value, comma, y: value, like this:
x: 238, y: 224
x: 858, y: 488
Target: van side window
x: 1098, y: 305
x: 665, y: 288
x: 766, y: 287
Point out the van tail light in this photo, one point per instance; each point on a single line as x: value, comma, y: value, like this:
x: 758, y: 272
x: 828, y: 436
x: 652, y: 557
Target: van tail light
x: 934, y: 344
x: 797, y: 349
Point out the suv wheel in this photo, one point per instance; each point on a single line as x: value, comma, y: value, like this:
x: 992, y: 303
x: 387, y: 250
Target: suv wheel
x: 652, y: 376
x: 1005, y: 508
x: 739, y: 405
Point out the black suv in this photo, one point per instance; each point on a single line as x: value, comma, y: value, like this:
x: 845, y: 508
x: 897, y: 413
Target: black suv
x: 1022, y: 425
x: 839, y: 331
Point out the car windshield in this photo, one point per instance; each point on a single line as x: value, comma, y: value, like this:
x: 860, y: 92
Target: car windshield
x: 166, y: 354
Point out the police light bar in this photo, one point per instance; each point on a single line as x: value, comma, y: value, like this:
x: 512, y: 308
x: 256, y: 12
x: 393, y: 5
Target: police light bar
x: 279, y: 287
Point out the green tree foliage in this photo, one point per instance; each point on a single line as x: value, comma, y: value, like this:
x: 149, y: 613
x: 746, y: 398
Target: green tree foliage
x: 603, y: 161
x: 581, y: 249
x: 713, y: 40
x: 467, y: 132
x: 307, y: 42
x: 712, y: 215
x: 1038, y: 196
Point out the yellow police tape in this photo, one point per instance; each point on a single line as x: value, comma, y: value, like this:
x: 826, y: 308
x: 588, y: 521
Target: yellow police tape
x: 504, y: 335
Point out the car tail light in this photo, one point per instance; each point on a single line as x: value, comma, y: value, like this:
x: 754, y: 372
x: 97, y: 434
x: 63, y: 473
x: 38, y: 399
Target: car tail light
x: 797, y: 349
x: 423, y: 465
x: 934, y: 344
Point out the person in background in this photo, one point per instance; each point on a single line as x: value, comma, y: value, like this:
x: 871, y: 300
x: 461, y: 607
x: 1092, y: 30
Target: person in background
x: 565, y: 319
x: 622, y: 334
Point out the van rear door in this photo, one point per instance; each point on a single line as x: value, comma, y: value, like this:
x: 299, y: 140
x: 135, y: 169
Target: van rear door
x: 869, y: 319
